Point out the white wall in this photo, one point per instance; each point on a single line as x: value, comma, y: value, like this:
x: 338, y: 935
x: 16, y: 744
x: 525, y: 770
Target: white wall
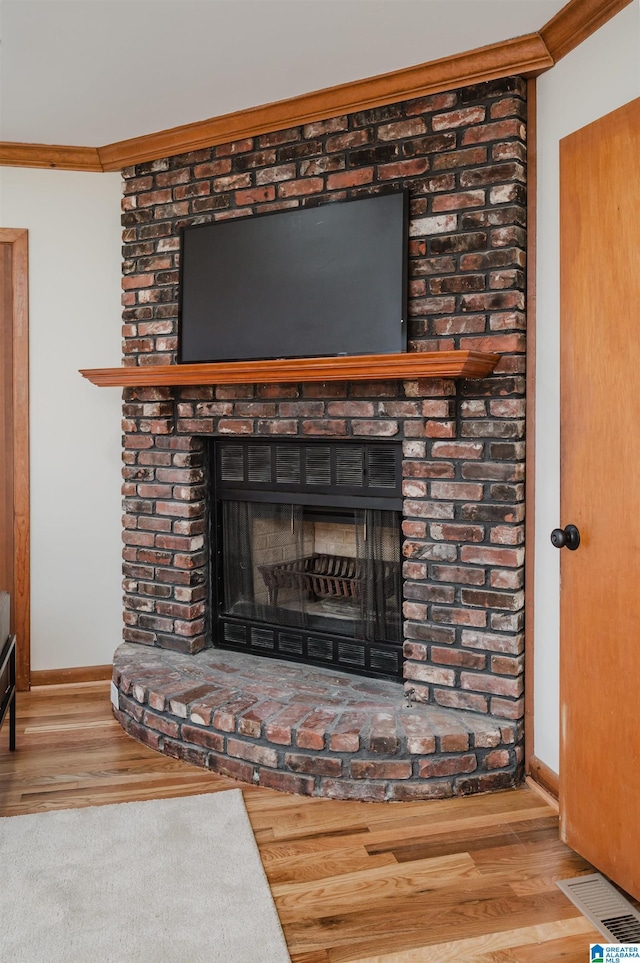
x: 600, y: 75
x: 73, y: 221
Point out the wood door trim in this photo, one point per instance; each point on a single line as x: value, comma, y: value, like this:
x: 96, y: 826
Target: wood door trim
x: 17, y: 329
x: 530, y: 427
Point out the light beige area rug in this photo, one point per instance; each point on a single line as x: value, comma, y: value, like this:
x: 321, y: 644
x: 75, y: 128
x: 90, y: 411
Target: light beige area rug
x: 165, y: 881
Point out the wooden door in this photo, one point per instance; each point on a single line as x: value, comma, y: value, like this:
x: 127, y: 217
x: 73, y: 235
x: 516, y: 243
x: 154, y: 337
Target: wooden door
x: 600, y: 493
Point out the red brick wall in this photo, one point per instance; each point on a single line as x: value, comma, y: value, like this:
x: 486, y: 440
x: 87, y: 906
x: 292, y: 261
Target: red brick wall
x: 462, y: 156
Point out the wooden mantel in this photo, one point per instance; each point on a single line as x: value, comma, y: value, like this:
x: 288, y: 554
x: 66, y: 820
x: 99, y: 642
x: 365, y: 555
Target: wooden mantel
x: 370, y: 367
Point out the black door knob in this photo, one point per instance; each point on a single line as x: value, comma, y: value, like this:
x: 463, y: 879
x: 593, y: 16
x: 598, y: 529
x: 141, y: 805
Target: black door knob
x: 568, y: 537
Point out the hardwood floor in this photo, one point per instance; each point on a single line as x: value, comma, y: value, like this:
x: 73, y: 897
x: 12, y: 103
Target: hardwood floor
x: 455, y: 881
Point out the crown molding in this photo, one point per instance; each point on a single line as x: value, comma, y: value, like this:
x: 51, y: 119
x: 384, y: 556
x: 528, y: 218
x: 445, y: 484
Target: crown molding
x: 576, y: 22
x: 53, y: 156
x: 526, y: 55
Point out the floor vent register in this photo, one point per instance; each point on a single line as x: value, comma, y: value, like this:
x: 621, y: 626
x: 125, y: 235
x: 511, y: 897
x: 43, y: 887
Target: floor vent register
x: 597, y: 899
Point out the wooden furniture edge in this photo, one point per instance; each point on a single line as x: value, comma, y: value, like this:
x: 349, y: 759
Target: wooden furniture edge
x: 575, y: 22
x: 427, y: 364
x: 8, y: 675
x: 522, y: 55
x: 21, y: 593
x: 544, y: 776
x: 54, y: 156
x: 83, y: 673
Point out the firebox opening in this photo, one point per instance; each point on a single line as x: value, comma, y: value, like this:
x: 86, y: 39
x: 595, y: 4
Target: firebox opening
x: 319, y: 582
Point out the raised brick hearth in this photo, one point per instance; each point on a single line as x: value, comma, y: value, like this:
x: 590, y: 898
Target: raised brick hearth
x: 308, y: 730
x: 461, y: 155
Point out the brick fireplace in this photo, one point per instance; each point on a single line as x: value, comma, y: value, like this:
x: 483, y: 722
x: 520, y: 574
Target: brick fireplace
x: 461, y: 154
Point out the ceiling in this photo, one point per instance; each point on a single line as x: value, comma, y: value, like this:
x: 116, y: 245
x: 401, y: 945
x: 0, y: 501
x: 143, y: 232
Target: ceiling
x: 93, y: 72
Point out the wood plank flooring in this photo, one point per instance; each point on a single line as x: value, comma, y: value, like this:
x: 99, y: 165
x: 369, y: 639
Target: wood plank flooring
x: 455, y: 881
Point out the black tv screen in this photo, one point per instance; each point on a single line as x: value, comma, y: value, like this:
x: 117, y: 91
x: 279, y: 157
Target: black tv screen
x: 310, y: 282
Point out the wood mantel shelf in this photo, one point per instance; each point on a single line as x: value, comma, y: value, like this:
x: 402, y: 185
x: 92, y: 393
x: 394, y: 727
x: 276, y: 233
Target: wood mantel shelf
x: 370, y: 367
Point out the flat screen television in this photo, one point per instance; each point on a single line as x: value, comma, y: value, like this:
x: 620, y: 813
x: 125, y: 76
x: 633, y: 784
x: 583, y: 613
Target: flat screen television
x: 311, y: 282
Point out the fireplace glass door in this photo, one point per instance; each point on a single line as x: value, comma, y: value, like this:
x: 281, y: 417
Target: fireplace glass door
x: 306, y: 551
x: 315, y: 582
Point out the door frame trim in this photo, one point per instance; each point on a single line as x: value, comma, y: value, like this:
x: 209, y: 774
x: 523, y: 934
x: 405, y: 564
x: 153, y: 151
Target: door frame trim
x: 531, y: 763
x: 16, y: 333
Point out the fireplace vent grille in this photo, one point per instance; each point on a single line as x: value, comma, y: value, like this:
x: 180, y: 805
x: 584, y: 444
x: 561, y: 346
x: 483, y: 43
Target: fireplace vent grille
x: 339, y: 469
x: 231, y: 463
x: 374, y: 657
x: 258, y: 464
x: 383, y: 661
x: 291, y: 644
x: 318, y: 465
x: 350, y: 467
x: 352, y: 654
x: 320, y: 649
x: 382, y: 467
x: 262, y: 638
x: 288, y: 468
x: 235, y: 633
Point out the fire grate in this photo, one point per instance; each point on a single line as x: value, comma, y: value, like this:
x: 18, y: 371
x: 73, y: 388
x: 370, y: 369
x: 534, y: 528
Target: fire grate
x: 609, y: 911
x: 326, y: 576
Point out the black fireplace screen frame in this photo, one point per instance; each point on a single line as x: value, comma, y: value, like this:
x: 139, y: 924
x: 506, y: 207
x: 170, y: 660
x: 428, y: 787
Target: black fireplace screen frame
x: 351, y: 483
